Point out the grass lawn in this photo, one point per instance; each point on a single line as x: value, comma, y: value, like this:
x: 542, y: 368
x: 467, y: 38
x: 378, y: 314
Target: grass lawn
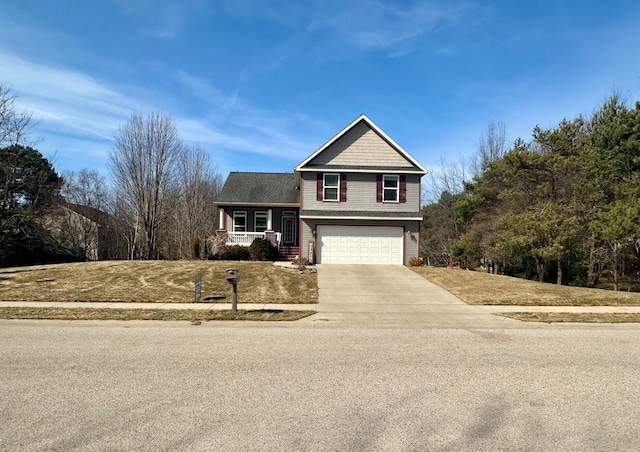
x: 148, y: 314
x: 575, y: 317
x: 486, y: 289
x: 155, y: 281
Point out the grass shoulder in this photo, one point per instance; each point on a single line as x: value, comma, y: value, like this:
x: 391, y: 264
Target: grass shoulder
x: 33, y: 313
x: 574, y: 317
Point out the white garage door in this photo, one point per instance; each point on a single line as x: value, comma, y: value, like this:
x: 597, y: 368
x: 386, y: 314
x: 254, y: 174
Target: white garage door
x: 360, y: 245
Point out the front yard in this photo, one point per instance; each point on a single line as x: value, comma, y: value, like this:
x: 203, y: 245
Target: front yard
x: 156, y: 282
x: 484, y: 289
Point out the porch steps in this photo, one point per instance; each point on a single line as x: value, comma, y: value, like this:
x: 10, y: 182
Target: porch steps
x: 288, y: 253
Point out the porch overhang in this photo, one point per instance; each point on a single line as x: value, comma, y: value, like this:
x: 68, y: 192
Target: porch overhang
x: 246, y: 204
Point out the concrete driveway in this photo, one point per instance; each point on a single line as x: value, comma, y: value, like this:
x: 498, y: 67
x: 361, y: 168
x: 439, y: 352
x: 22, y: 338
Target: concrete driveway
x: 392, y: 296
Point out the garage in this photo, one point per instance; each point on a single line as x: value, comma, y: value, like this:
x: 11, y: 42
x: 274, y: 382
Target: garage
x: 360, y: 245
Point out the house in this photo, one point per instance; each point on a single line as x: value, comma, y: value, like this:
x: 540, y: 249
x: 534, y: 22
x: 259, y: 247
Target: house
x: 84, y: 231
x: 356, y: 200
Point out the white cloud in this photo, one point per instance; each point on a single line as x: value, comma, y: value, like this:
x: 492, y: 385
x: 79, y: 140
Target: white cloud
x: 74, y: 101
x: 373, y: 24
x: 78, y: 114
x: 232, y: 123
x: 162, y: 18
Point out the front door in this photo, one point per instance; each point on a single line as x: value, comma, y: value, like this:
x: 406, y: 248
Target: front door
x: 289, y: 231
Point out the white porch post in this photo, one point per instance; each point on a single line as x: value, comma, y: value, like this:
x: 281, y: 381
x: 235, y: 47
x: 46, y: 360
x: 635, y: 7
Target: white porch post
x: 221, y: 219
x: 270, y: 220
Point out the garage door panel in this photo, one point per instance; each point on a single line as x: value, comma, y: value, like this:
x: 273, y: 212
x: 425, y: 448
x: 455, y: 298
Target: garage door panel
x: 360, y: 244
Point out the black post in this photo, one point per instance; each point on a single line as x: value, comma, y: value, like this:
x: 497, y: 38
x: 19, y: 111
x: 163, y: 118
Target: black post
x: 234, y: 297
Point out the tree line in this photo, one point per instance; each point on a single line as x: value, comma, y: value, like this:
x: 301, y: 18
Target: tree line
x: 563, y: 208
x: 158, y: 204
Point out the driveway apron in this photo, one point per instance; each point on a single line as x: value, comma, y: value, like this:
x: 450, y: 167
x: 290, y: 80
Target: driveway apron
x: 392, y: 296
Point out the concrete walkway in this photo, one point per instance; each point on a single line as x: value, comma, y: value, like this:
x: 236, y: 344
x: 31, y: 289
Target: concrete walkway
x: 392, y: 296
x: 370, y: 296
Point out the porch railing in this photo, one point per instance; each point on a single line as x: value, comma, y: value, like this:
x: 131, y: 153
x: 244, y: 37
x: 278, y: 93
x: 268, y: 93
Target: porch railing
x: 247, y: 238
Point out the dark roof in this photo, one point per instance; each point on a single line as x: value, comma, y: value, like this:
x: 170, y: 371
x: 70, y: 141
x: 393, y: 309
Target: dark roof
x: 259, y: 188
x: 93, y: 214
x: 358, y: 213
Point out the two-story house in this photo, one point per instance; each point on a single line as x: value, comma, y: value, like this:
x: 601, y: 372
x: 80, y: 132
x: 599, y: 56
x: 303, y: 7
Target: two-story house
x: 356, y: 200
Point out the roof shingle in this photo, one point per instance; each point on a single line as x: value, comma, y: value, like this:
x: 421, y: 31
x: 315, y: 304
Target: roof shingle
x: 259, y: 188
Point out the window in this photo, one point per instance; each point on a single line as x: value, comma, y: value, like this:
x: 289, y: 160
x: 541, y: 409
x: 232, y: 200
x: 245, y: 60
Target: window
x: 390, y: 188
x: 331, y: 187
x: 260, y: 221
x: 239, y: 221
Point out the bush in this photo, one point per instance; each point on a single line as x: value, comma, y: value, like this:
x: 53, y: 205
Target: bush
x: 262, y: 250
x: 416, y: 262
x: 232, y: 253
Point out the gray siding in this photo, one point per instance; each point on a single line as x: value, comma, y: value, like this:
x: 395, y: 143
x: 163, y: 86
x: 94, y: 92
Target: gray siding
x: 361, y: 146
x: 411, y: 241
x: 361, y: 195
x: 306, y: 235
x: 411, y: 233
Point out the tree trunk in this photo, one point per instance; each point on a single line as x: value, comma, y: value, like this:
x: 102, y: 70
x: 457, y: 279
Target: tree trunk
x: 614, y: 267
x: 559, y: 274
x: 540, y: 269
x: 593, y: 274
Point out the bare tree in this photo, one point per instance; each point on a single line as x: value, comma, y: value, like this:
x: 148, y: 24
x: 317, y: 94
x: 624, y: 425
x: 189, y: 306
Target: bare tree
x: 85, y: 198
x: 85, y: 188
x: 14, y: 125
x: 194, y: 213
x: 448, y: 177
x: 126, y: 226
x: 143, y: 162
x: 492, y: 145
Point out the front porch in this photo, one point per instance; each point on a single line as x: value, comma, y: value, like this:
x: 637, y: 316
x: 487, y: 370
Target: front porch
x: 247, y: 238
x: 241, y: 225
x: 285, y: 251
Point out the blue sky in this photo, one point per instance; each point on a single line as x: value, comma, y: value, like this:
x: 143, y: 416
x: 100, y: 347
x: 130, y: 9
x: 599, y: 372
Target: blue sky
x: 262, y: 84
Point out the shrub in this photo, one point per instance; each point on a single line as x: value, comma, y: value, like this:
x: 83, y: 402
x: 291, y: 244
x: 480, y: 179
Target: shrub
x: 216, y: 244
x: 232, y: 253
x: 416, y: 262
x: 262, y: 250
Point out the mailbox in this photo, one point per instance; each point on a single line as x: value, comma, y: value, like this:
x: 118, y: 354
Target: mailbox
x: 232, y: 275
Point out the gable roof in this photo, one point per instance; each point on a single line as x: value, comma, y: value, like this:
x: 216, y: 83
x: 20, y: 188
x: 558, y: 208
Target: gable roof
x: 400, y: 162
x: 259, y: 189
x: 91, y: 213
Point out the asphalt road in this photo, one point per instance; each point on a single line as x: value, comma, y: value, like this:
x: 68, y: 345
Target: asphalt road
x: 181, y: 387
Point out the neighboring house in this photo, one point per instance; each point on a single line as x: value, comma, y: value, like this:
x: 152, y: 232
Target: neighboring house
x: 356, y: 200
x: 86, y: 232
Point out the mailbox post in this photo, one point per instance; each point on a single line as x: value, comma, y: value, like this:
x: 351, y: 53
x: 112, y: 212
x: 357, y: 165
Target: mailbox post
x: 232, y: 275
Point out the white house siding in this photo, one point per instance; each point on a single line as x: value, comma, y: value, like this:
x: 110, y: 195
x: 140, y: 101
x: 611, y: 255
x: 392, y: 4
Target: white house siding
x: 361, y: 146
x: 411, y: 233
x: 361, y: 195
